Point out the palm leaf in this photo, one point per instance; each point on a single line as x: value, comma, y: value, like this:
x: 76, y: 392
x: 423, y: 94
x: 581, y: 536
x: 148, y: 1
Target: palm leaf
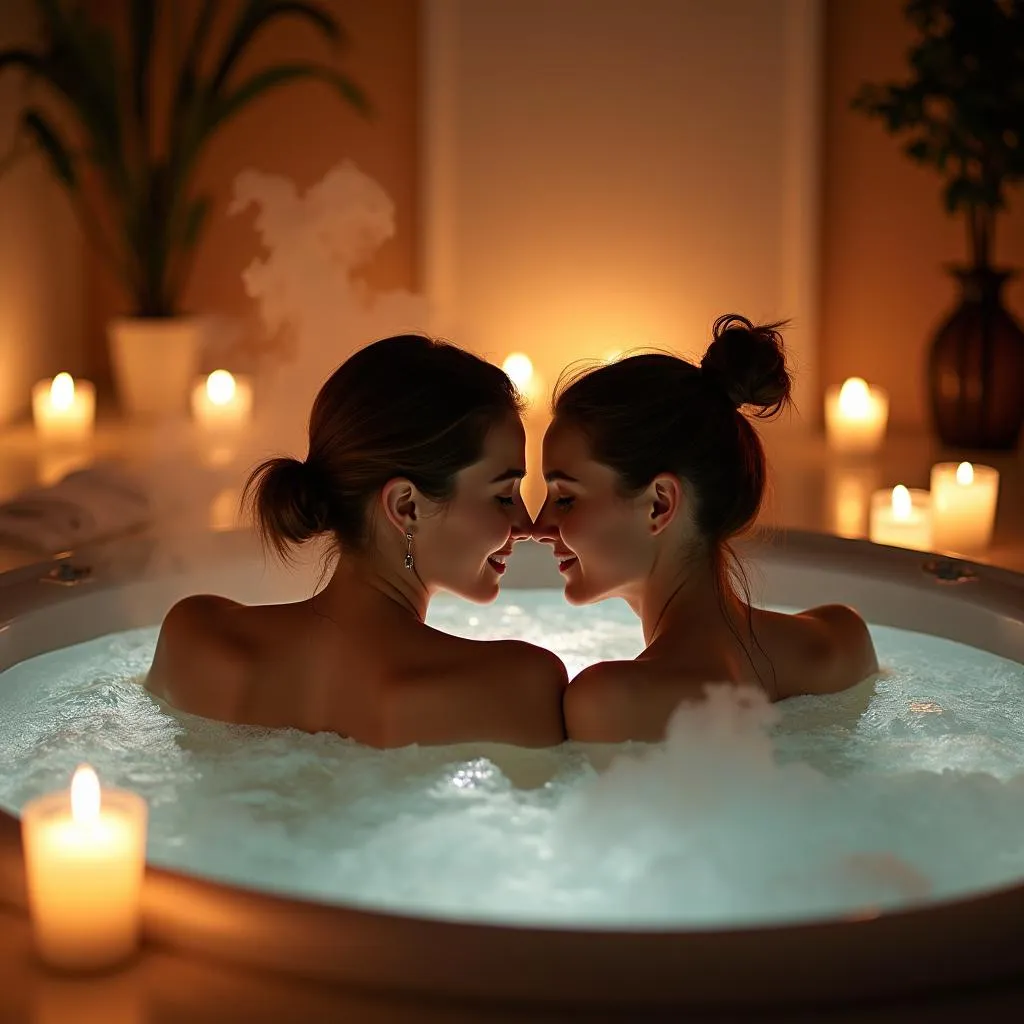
x: 143, y: 19
x: 256, y: 15
x: 187, y: 76
x: 32, y: 62
x: 46, y: 137
x: 271, y: 78
x: 192, y: 222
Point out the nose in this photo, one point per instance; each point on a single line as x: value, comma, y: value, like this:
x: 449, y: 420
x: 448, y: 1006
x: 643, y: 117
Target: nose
x: 544, y: 529
x: 521, y: 527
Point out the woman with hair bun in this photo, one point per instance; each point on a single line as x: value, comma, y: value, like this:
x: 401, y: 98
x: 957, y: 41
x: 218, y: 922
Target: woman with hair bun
x: 652, y: 469
x: 416, y: 453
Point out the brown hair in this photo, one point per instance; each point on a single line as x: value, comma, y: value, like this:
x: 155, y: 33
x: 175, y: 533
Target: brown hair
x: 657, y: 413
x: 408, y: 406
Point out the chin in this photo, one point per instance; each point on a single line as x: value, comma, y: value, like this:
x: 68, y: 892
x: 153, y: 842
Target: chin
x: 576, y: 595
x: 480, y: 592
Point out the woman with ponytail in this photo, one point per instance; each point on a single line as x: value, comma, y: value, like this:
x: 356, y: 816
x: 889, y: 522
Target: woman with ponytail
x: 416, y: 453
x: 653, y: 467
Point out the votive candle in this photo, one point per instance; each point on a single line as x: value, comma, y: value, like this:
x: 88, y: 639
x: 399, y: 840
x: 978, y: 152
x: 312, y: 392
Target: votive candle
x: 222, y: 402
x: 856, y: 415
x: 901, y: 517
x: 964, y: 498
x: 63, y: 409
x: 85, y: 852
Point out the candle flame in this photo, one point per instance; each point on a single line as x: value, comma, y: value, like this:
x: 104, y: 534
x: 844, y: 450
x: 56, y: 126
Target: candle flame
x: 901, y: 502
x: 965, y: 474
x: 519, y: 367
x: 855, y: 397
x: 85, y: 795
x: 62, y: 391
x: 220, y: 387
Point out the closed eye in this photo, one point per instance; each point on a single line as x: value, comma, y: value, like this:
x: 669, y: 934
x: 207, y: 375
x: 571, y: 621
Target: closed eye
x: 506, y: 500
x: 565, y: 502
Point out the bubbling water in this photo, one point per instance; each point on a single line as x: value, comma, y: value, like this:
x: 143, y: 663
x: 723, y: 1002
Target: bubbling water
x: 906, y: 789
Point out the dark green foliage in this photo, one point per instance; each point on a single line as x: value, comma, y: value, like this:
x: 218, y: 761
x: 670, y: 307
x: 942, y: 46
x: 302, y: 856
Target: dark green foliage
x: 961, y: 110
x: 150, y: 220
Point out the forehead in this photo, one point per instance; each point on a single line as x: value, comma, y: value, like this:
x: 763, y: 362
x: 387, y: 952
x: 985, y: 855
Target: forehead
x: 504, y: 448
x: 566, y: 448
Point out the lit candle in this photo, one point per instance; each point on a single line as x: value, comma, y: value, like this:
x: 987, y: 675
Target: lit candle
x: 222, y: 402
x: 63, y: 409
x: 902, y: 517
x: 84, y: 861
x: 963, y: 505
x: 520, y: 369
x: 855, y: 416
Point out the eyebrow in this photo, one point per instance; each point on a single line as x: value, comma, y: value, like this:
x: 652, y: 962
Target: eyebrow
x: 558, y: 474
x: 509, y: 474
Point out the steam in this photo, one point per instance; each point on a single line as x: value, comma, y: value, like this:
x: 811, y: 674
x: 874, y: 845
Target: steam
x: 312, y: 301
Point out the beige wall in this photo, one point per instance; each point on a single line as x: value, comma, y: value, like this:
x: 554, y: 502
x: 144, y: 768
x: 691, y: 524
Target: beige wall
x: 886, y: 235
x: 301, y: 131
x: 626, y: 192
x: 41, y: 296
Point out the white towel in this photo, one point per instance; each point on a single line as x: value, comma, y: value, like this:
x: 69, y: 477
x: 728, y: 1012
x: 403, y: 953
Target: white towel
x: 89, y: 504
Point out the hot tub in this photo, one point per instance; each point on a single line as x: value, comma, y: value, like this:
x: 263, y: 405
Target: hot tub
x: 869, y: 952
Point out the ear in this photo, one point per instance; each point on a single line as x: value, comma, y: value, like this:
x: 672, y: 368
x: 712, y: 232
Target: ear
x: 398, y: 499
x: 664, y: 498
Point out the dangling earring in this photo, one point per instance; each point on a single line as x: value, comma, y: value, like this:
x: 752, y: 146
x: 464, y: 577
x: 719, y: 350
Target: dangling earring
x: 409, y: 563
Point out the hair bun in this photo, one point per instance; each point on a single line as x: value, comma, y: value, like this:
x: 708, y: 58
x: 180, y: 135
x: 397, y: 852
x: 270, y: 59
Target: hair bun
x: 289, y: 500
x: 748, y: 363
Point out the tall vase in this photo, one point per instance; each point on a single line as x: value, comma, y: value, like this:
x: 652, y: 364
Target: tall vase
x: 976, y: 367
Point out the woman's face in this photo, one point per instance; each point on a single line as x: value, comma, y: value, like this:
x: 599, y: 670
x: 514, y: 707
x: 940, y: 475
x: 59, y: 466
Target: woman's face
x: 461, y: 546
x: 600, y: 538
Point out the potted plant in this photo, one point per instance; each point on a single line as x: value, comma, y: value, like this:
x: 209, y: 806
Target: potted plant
x: 129, y: 172
x: 961, y: 111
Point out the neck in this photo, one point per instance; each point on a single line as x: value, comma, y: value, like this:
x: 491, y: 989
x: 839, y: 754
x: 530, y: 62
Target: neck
x: 684, y: 594
x: 365, y: 573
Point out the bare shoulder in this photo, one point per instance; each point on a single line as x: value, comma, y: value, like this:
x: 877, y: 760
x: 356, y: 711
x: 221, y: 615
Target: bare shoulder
x: 506, y: 691
x: 600, y: 703
x: 842, y: 652
x: 194, y: 642
x: 521, y: 657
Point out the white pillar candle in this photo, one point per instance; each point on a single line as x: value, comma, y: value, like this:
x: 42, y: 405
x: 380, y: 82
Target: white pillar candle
x: 84, y: 860
x: 963, y: 506
x: 855, y: 416
x: 902, y: 517
x: 222, y: 402
x: 63, y: 409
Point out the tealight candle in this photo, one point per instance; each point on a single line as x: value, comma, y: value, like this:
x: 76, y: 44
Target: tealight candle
x: 84, y: 861
x: 63, y: 409
x: 856, y: 416
x: 901, y: 517
x: 222, y: 402
x: 963, y: 505
x: 520, y: 370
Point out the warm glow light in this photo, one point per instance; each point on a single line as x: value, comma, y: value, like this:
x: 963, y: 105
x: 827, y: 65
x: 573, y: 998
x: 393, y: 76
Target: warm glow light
x: 62, y: 391
x: 965, y: 474
x: 519, y: 367
x: 854, y: 397
x: 85, y: 796
x: 220, y: 387
x: 901, y: 503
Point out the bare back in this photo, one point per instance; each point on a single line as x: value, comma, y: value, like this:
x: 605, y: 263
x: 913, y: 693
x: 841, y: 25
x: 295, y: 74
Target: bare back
x: 823, y: 650
x: 371, y: 671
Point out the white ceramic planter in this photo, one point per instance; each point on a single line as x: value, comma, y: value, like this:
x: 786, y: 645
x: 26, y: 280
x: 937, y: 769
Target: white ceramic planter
x: 155, y: 362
